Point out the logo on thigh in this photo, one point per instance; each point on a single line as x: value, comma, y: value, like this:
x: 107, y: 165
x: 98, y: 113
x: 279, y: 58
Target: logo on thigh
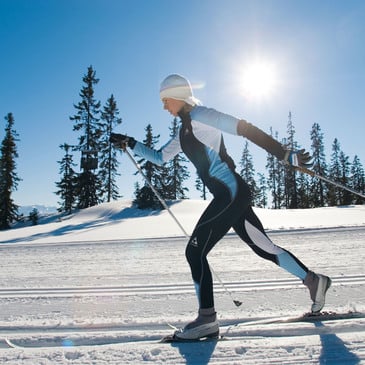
x: 193, y: 241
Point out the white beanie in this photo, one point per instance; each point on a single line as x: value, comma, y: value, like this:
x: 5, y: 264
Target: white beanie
x: 178, y: 87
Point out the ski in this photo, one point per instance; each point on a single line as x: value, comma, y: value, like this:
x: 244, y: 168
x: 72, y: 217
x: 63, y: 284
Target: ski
x: 239, y: 329
x: 307, y: 317
x: 227, y: 329
x: 173, y: 338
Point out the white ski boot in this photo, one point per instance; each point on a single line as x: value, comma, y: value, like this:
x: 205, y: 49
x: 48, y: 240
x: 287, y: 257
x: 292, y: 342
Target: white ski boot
x: 318, y: 285
x: 204, y: 326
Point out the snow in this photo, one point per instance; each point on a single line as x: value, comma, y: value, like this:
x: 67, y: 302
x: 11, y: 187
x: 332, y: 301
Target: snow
x: 119, y: 220
x: 103, y: 285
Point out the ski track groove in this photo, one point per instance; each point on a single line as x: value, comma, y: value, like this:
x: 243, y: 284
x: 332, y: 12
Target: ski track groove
x: 183, y: 288
x: 240, y: 333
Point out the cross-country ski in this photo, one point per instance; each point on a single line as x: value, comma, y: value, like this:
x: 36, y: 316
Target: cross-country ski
x: 229, y: 331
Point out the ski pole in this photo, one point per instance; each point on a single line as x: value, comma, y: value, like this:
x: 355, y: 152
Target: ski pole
x: 162, y: 201
x: 312, y: 173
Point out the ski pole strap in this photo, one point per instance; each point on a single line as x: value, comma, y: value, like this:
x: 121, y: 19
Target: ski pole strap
x: 312, y: 173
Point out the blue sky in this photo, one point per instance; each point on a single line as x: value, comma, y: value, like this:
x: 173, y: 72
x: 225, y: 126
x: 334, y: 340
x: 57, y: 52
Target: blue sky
x: 315, y: 49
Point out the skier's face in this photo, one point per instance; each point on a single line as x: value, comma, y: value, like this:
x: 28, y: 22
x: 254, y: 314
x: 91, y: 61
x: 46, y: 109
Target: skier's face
x: 173, y: 106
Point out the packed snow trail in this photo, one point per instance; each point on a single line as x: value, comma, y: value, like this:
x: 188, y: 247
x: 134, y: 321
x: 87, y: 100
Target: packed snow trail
x: 110, y: 302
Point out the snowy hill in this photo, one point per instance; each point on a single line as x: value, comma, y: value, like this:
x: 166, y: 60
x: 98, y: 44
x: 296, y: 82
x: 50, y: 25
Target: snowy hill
x: 120, y: 220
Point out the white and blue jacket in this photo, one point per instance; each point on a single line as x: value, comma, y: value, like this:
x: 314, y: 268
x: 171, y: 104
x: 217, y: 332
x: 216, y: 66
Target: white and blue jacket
x: 200, y: 138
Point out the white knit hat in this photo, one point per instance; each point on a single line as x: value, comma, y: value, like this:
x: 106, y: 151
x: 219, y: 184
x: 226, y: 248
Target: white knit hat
x: 178, y: 87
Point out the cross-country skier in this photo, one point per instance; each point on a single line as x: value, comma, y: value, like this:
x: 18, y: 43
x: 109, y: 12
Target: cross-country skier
x: 200, y: 138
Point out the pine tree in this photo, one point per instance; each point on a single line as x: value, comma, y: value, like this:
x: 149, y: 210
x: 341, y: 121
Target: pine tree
x: 261, y: 196
x: 8, y: 177
x: 340, y: 172
x: 334, y: 195
x: 176, y: 172
x: 345, y: 195
x: 291, y: 198
x: 303, y: 191
x: 145, y: 197
x: 248, y: 171
x: 318, y: 189
x: 89, y: 190
x: 276, y: 179
x: 357, y: 180
x: 164, y: 182
x: 200, y: 186
x: 34, y: 216
x: 68, y: 182
x: 271, y: 179
x: 108, y: 155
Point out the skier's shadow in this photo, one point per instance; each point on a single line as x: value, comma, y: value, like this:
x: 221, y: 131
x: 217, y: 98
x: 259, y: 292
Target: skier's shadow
x: 196, y: 352
x: 334, y: 350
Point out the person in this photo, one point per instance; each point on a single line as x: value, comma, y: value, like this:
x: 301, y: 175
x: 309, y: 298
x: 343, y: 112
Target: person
x: 200, y: 138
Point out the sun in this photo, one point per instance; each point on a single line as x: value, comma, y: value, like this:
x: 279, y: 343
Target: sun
x: 258, y: 80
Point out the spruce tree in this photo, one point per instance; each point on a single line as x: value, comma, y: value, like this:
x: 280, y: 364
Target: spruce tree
x: 340, y: 172
x: 261, y: 195
x: 177, y: 172
x: 303, y: 191
x: 357, y: 180
x: 248, y: 171
x: 34, y: 216
x: 334, y: 194
x: 145, y: 197
x: 89, y: 189
x: 200, y: 186
x: 271, y: 168
x: 318, y: 189
x: 8, y: 177
x: 68, y: 182
x: 345, y: 195
x: 291, y: 198
x: 276, y: 179
x: 108, y: 155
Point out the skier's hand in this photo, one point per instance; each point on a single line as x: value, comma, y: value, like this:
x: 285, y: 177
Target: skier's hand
x: 122, y: 141
x: 298, y: 158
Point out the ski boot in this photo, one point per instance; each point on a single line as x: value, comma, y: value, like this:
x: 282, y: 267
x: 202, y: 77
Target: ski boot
x: 204, y: 326
x: 318, y: 285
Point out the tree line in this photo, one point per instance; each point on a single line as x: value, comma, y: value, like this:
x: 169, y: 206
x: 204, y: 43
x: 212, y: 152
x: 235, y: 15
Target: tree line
x: 279, y: 187
x: 291, y: 189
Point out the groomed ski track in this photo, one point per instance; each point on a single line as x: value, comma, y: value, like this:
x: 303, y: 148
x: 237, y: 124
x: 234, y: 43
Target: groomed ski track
x: 89, y: 304
x: 241, y: 329
x: 167, y: 289
x: 287, y: 343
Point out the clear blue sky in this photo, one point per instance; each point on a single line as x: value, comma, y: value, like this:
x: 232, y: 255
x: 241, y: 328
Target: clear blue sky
x: 316, y: 51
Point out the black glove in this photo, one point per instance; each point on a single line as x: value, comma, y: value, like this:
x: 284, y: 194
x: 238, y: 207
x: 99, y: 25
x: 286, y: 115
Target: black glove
x: 298, y: 158
x: 122, y: 141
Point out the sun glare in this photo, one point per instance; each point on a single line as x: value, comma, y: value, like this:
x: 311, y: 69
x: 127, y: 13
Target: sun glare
x: 258, y: 80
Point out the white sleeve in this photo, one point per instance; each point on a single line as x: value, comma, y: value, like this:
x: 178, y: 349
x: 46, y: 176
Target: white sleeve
x: 224, y: 122
x: 166, y: 153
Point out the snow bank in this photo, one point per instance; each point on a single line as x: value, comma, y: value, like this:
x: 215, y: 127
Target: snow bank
x: 120, y: 220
